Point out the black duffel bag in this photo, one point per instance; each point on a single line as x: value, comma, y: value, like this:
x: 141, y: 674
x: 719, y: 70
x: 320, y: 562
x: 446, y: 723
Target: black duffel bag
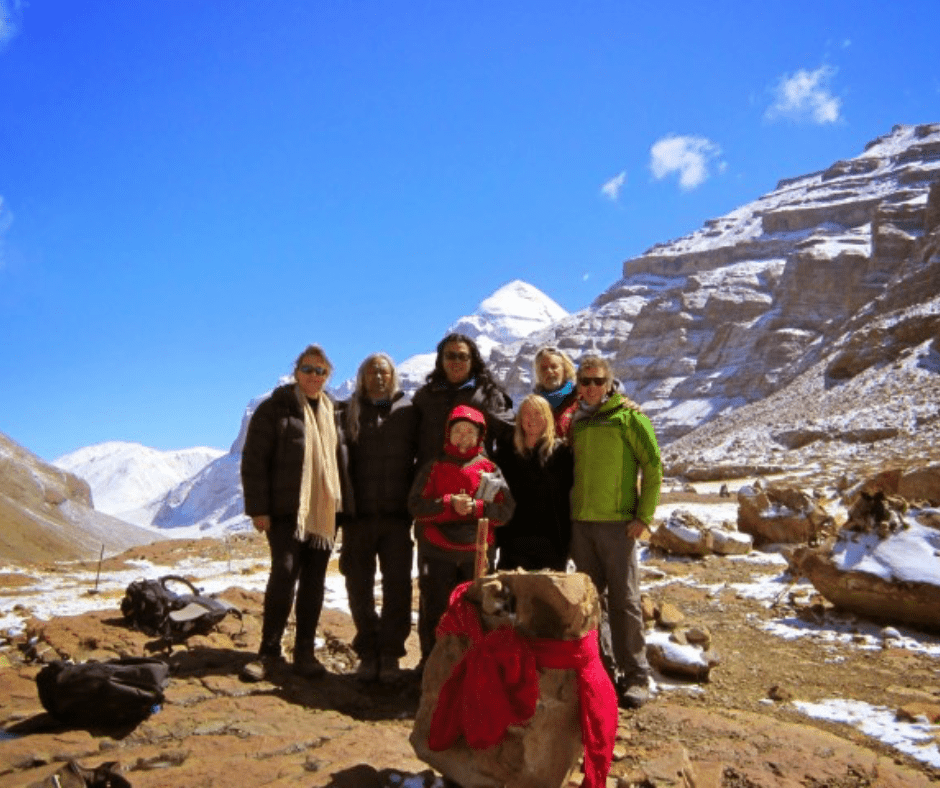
x: 115, y: 693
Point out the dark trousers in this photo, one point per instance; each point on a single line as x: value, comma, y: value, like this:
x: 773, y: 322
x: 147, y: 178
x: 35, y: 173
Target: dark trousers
x: 605, y: 553
x: 296, y: 567
x: 387, y: 539
x: 437, y: 578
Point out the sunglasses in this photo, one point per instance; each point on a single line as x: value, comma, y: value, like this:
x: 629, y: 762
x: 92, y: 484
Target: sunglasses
x: 592, y: 381
x: 309, y: 369
x: 456, y: 355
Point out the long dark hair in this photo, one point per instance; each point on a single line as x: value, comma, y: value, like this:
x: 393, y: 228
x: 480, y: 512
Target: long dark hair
x: 478, y: 368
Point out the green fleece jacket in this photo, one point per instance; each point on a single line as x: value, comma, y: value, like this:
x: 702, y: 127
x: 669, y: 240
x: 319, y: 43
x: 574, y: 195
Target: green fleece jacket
x: 613, y: 449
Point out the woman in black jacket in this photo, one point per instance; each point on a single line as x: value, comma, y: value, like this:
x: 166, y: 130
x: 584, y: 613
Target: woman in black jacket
x: 539, y: 470
x: 291, y: 483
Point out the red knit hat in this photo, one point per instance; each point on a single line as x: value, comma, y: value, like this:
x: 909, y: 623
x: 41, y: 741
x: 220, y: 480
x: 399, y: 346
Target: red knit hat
x: 466, y: 413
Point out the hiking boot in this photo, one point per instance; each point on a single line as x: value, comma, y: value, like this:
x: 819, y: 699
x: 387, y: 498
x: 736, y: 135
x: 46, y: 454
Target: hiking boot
x: 307, y: 665
x: 633, y: 694
x: 368, y: 668
x: 389, y: 672
x: 261, y: 669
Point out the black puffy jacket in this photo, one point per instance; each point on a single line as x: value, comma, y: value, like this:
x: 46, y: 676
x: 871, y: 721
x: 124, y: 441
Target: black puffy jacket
x: 273, y: 455
x: 382, y: 459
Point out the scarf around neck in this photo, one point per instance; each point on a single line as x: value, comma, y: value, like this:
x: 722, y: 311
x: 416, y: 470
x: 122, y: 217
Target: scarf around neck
x: 556, y: 397
x: 320, y: 497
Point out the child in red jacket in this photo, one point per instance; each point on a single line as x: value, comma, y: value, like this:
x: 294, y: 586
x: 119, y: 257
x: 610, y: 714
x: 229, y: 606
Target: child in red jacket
x: 447, y: 499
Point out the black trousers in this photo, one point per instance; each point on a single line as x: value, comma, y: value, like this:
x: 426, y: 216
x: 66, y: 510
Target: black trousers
x: 437, y: 578
x: 386, y: 542
x: 297, y: 570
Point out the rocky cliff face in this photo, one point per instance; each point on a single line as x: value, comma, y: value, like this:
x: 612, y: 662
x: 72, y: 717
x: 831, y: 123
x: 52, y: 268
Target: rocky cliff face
x: 865, y: 399
x: 731, y: 313
x: 47, y: 513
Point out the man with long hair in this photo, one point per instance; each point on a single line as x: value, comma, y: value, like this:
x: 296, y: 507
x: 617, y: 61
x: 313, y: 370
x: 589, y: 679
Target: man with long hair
x: 378, y: 430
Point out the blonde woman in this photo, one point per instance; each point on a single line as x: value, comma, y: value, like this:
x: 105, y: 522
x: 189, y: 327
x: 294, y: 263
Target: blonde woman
x: 538, y: 469
x: 554, y: 374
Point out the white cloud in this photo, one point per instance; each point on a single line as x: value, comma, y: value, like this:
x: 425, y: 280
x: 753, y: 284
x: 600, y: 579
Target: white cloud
x: 612, y: 188
x: 9, y: 14
x: 688, y: 156
x: 805, y: 96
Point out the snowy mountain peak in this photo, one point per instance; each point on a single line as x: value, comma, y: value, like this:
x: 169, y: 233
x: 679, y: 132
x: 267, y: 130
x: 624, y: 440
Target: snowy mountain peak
x: 125, y: 477
x: 512, y: 312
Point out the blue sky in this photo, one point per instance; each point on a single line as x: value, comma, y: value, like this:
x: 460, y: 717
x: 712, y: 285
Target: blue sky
x: 192, y: 190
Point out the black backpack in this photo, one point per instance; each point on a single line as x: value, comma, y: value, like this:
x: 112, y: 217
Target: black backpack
x: 152, y: 607
x: 115, y: 693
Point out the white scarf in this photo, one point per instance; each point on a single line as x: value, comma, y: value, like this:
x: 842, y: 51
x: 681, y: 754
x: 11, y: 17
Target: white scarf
x: 320, y: 496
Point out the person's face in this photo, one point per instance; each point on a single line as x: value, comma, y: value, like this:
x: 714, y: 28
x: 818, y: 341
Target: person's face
x: 592, y: 393
x: 551, y: 372
x: 378, y: 380
x: 464, y: 435
x: 456, y: 358
x: 311, y: 374
x: 533, y: 423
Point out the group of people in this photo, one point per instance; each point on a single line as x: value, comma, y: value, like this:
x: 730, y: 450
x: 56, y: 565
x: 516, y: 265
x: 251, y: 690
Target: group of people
x: 573, y: 474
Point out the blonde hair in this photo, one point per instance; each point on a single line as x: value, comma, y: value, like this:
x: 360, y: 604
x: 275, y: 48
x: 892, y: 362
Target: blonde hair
x: 547, y: 440
x: 566, y: 363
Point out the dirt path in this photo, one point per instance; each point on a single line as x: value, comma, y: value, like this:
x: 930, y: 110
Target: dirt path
x: 741, y: 729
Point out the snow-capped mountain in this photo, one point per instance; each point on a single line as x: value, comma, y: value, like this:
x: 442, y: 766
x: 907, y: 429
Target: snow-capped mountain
x: 511, y: 313
x: 727, y: 315
x: 129, y: 480
x: 47, y: 513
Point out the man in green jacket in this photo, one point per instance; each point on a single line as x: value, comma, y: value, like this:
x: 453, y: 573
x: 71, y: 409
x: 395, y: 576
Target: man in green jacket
x: 617, y: 476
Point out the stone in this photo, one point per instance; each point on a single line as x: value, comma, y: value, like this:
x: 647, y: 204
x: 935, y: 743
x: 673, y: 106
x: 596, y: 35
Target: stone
x: 780, y: 515
x: 685, y: 661
x: 918, y: 711
x: 545, y: 751
x: 670, y: 616
x: 915, y: 484
x: 670, y: 769
x: 682, y: 534
x: 727, y: 540
x: 884, y: 564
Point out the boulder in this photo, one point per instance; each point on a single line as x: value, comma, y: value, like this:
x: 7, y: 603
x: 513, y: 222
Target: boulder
x: 915, y: 484
x: 682, y: 533
x: 780, y: 514
x: 884, y: 564
x: 544, y: 752
x: 671, y: 657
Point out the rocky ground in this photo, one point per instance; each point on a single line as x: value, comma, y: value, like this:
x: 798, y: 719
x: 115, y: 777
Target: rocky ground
x: 740, y: 729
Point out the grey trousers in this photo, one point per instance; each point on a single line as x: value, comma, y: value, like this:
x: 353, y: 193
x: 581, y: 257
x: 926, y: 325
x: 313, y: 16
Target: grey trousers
x: 605, y: 553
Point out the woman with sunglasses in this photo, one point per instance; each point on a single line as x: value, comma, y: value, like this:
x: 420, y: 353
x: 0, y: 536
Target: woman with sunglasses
x: 617, y: 476
x: 290, y: 477
x: 554, y: 374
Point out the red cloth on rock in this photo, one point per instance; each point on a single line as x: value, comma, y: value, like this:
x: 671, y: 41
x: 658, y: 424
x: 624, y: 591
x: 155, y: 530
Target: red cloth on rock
x: 495, y: 685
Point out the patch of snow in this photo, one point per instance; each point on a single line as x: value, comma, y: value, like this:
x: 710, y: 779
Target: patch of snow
x: 911, y: 555
x: 913, y: 738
